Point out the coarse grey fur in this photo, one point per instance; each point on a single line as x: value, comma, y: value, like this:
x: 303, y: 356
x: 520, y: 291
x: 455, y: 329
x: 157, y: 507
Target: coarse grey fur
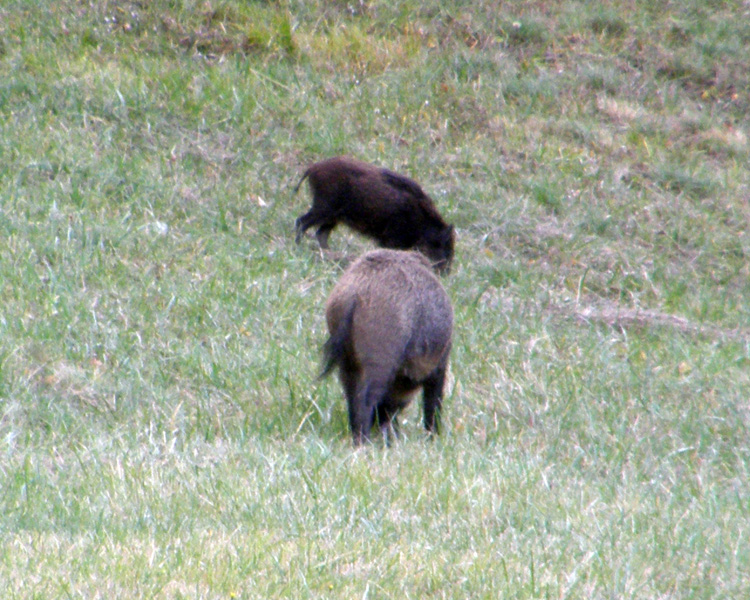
x: 381, y: 204
x: 390, y: 323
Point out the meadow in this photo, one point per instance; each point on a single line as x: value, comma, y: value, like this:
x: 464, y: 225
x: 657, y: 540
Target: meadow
x: 162, y: 430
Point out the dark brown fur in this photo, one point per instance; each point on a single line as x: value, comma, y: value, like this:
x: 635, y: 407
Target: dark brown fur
x: 390, y: 323
x: 381, y: 204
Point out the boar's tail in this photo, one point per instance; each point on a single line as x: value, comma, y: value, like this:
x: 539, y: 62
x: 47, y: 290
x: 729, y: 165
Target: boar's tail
x: 304, y: 176
x: 334, y: 349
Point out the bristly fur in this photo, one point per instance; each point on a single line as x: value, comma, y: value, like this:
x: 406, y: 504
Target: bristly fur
x: 334, y: 350
x: 385, y: 206
x: 390, y: 324
x: 412, y: 187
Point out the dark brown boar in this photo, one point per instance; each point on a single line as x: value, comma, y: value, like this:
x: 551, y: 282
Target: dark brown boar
x: 390, y: 323
x: 383, y: 205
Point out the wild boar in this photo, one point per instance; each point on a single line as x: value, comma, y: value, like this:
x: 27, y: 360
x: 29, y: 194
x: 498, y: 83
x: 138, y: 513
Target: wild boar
x: 390, y: 324
x: 383, y: 205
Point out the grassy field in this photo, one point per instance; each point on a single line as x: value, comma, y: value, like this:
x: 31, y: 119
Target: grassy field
x: 162, y: 433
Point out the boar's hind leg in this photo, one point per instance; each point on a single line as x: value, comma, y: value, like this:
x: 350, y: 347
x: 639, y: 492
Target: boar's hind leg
x: 432, y: 399
x: 349, y: 377
x: 362, y: 409
x: 311, y: 219
x: 322, y: 234
x: 388, y: 422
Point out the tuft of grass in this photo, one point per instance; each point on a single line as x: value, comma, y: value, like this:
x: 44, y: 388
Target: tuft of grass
x: 608, y: 23
x: 528, y: 32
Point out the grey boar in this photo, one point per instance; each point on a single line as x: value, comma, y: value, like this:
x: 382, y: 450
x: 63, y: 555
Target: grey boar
x: 390, y: 325
x: 383, y: 205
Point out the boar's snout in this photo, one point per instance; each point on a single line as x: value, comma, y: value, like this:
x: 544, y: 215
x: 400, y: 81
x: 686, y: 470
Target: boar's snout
x: 438, y: 248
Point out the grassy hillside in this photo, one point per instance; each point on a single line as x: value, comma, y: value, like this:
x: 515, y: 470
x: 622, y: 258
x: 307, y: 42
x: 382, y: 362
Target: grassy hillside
x: 162, y: 434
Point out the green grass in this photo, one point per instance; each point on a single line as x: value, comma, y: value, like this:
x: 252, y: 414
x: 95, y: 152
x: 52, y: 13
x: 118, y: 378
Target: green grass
x: 162, y: 431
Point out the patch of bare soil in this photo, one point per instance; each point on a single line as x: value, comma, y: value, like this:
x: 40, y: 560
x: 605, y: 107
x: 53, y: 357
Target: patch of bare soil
x: 620, y: 317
